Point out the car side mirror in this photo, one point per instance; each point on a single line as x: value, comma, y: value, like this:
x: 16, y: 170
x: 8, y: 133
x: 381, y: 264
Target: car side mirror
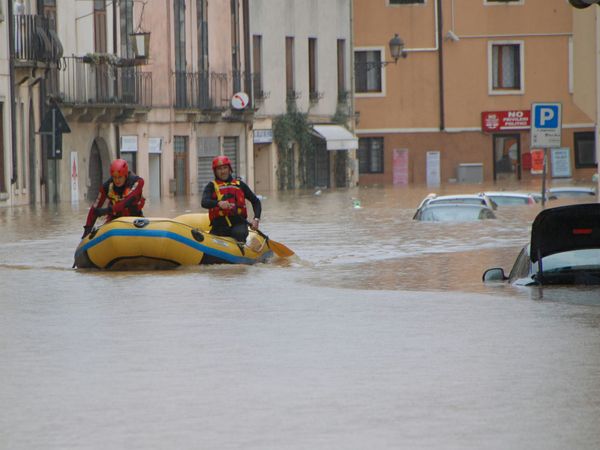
x: 495, y: 274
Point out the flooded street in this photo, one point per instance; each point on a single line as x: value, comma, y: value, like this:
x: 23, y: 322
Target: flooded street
x: 380, y: 334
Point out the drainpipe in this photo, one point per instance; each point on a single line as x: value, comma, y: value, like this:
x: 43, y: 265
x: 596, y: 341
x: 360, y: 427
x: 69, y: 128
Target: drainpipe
x: 11, y: 70
x: 248, y: 88
x: 597, y: 129
x: 353, y: 161
x: 115, y: 47
x: 440, y: 27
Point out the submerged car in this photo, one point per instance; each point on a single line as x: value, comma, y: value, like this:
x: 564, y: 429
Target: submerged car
x: 459, y: 199
x: 571, y: 191
x: 513, y: 198
x: 564, y: 249
x: 453, y: 213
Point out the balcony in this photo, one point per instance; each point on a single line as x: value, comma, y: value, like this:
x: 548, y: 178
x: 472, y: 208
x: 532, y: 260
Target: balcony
x: 207, y: 92
x: 102, y: 91
x: 35, y: 42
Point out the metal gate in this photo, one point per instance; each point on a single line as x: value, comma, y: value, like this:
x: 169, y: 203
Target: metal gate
x: 207, y: 149
x: 231, y: 150
x: 181, y: 165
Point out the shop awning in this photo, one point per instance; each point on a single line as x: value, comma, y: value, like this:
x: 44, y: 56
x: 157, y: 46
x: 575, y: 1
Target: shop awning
x: 337, y: 137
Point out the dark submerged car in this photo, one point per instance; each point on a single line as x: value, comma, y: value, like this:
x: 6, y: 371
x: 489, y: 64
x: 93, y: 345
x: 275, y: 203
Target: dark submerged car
x: 564, y: 249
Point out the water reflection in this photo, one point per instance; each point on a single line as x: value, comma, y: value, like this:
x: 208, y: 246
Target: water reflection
x: 379, y: 335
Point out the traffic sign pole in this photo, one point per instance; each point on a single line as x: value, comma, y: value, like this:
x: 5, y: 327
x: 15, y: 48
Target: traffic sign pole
x: 546, y: 132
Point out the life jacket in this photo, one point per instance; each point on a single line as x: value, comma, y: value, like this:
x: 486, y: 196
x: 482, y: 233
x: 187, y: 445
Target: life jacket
x: 229, y: 191
x: 115, y: 195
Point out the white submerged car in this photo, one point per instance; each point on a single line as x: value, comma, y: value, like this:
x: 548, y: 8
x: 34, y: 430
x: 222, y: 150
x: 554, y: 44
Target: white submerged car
x: 510, y: 198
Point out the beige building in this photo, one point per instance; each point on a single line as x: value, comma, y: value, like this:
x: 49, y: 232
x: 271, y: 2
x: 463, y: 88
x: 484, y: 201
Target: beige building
x: 301, y: 63
x: 30, y: 51
x: 458, y: 107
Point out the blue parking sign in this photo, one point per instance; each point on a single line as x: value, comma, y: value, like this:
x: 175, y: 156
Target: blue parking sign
x: 546, y: 116
x: 546, y: 125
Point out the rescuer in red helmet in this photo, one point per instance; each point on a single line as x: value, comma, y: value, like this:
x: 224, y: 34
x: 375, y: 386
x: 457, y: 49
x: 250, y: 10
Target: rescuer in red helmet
x: 122, y: 194
x: 225, y: 198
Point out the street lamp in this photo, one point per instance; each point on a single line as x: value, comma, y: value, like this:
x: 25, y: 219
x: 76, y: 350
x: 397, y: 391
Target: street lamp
x: 396, y: 46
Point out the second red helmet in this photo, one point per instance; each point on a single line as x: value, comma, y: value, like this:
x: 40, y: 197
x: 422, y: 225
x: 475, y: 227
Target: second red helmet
x: 221, y: 161
x: 119, y: 168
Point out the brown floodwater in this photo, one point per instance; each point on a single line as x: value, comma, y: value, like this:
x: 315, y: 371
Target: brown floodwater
x: 378, y: 334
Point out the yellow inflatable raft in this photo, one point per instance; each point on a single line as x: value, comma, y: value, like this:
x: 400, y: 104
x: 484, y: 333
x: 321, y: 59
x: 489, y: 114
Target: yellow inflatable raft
x: 145, y: 242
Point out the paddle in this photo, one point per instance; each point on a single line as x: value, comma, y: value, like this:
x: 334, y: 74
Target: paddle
x: 278, y: 248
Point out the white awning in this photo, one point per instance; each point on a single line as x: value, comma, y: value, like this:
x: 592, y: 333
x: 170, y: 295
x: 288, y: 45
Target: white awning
x: 337, y: 137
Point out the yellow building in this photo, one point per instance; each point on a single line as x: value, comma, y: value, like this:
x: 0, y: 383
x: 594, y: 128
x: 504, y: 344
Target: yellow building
x: 458, y: 106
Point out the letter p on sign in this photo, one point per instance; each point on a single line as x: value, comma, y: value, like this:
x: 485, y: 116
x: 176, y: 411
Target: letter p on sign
x: 547, y: 116
x: 546, y: 126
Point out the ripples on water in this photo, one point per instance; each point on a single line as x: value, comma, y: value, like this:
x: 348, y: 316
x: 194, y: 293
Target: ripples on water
x: 379, y: 335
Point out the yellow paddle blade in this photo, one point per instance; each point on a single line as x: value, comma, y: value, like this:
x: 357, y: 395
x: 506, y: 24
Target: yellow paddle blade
x: 279, y: 249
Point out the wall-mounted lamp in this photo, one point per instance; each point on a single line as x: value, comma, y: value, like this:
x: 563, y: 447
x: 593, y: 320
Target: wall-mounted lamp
x: 140, y: 43
x: 396, y: 46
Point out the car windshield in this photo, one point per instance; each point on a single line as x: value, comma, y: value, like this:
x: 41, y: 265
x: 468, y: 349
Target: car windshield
x: 459, y: 200
x: 507, y: 200
x: 572, y: 193
x: 446, y: 214
x: 572, y: 260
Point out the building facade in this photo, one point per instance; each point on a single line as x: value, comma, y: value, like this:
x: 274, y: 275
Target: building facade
x: 30, y: 52
x: 301, y: 62
x: 458, y: 107
x: 210, y: 78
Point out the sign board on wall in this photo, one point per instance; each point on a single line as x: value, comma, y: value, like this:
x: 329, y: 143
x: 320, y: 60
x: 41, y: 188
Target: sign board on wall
x: 492, y: 121
x: 561, y: 162
x: 74, y: 178
x: 537, y: 161
x: 263, y: 136
x: 129, y: 143
x: 155, y: 145
x: 433, y: 168
x: 400, y: 167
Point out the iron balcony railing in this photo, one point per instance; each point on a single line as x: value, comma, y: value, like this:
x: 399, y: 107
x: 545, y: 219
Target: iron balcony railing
x: 35, y: 40
x: 208, y: 91
x: 104, y: 84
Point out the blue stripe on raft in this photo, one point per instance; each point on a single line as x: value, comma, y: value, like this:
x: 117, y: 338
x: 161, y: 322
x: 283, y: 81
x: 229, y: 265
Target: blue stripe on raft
x: 174, y: 236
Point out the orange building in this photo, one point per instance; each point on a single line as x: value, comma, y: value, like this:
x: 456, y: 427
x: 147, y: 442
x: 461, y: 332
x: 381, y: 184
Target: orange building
x: 458, y: 106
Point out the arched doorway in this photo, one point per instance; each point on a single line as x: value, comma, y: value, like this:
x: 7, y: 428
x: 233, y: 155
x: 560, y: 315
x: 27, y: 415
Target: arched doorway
x: 99, y: 157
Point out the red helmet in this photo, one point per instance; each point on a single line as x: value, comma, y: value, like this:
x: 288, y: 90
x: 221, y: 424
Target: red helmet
x: 221, y: 161
x: 119, y: 168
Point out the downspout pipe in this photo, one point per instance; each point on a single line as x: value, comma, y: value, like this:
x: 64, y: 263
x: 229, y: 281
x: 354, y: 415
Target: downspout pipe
x: 11, y: 71
x: 440, y: 47
x: 115, y: 47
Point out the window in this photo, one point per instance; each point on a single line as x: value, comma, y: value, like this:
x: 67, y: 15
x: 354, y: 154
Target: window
x: 2, y: 181
x: 367, y: 68
x: 289, y: 68
x: 312, y: 69
x: 341, y: 71
x: 585, y: 149
x: 126, y: 23
x: 405, y: 2
x: 257, y: 62
x: 506, y: 67
x: 370, y: 155
x: 100, y: 26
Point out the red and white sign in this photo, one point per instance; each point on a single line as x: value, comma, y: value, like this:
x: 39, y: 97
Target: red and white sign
x: 505, y: 120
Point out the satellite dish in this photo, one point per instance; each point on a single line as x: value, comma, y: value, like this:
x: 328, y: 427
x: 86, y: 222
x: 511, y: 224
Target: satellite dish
x: 239, y: 100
